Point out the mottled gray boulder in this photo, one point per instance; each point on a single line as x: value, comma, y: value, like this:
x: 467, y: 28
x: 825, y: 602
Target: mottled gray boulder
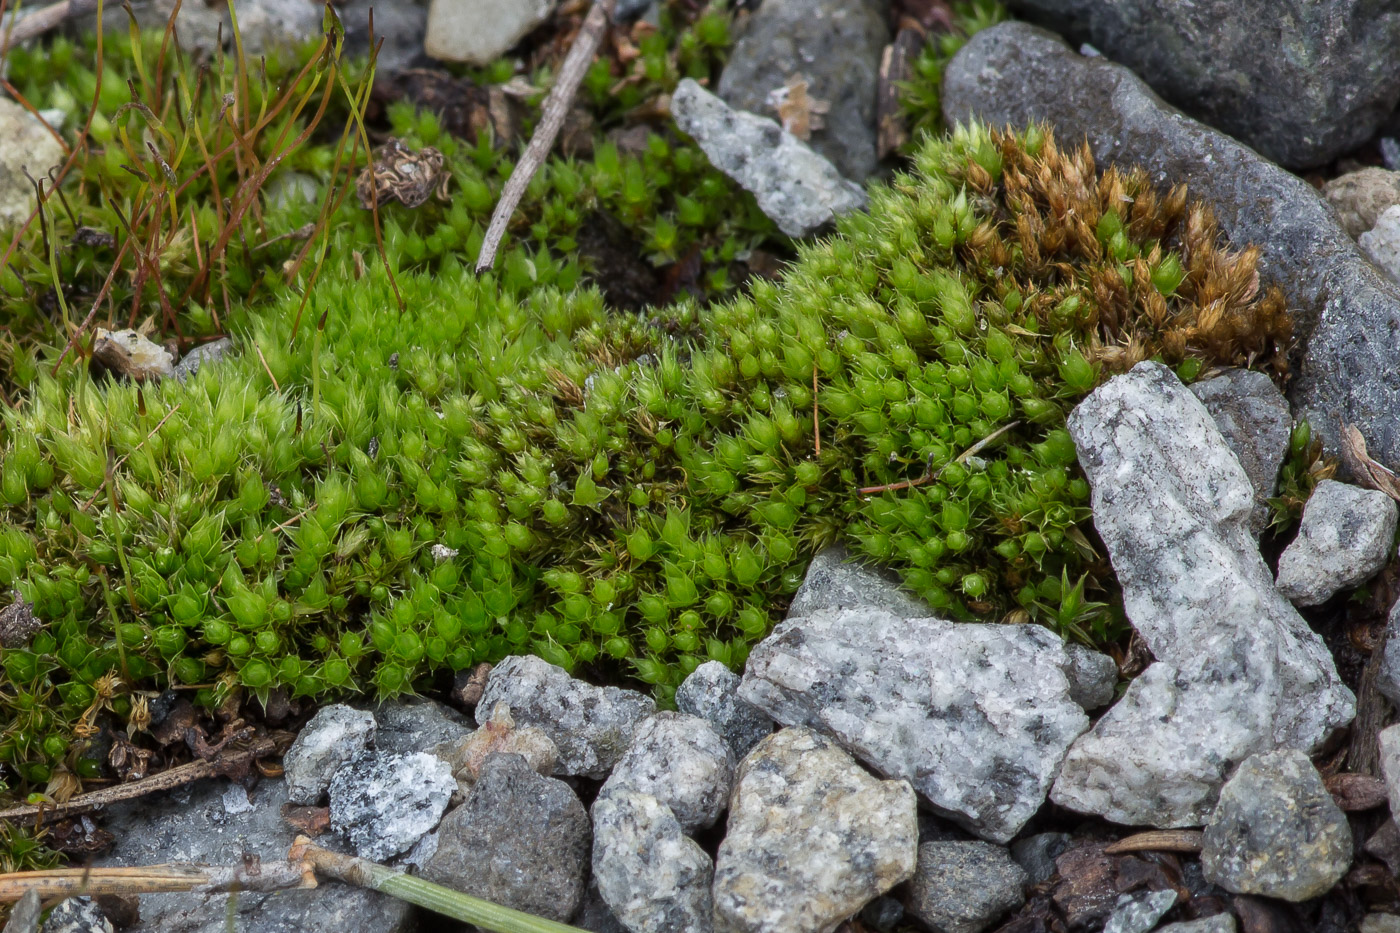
x: 478, y: 32
x: 1218, y: 923
x: 520, y: 840
x: 335, y: 735
x: 977, y: 717
x: 1347, y: 310
x: 417, y: 724
x: 682, y: 762
x: 591, y: 726
x: 1359, y: 198
x: 1254, y: 419
x: 1093, y: 676
x: 835, y: 45
x: 1344, y: 539
x: 1036, y: 854
x: 1388, y: 677
x: 811, y: 838
x: 1276, y: 831
x: 211, y: 352
x: 964, y: 887
x: 835, y: 580
x: 1381, y: 243
x: 711, y: 692
x: 194, y: 825
x: 1300, y: 82
x: 1238, y: 671
x: 799, y: 190
x: 653, y: 877
x: 1139, y: 913
x: 76, y: 915
x: 383, y: 803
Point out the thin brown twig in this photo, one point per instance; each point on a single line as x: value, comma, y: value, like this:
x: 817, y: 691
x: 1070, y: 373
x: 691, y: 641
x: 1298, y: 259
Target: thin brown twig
x: 266, y: 367
x: 42, y: 20
x: 552, y: 114
x: 932, y: 474
x: 1162, y: 840
x: 157, y: 879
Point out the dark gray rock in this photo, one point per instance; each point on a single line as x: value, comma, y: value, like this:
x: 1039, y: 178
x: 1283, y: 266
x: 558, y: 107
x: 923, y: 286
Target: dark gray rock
x: 1254, y: 419
x: 711, y: 692
x: 1093, y: 676
x: 682, y: 762
x: 882, y: 914
x: 835, y: 580
x: 591, y: 726
x: 204, y: 353
x: 1036, y: 854
x: 25, y: 913
x: 798, y: 189
x: 1139, y: 913
x: 193, y: 825
x: 811, y: 838
x: 1276, y: 831
x: 654, y: 878
x: 1359, y: 198
x: 334, y: 736
x: 520, y: 840
x: 835, y: 45
x: 977, y: 717
x: 1237, y: 670
x: 594, y: 914
x: 1300, y: 82
x: 1346, y: 536
x: 77, y: 915
x: 1388, y: 678
x: 383, y: 802
x: 1347, y: 310
x: 964, y: 887
x: 416, y: 724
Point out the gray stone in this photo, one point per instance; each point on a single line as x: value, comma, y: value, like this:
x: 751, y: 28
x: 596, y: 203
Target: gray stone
x: 1037, y: 854
x: 835, y: 581
x: 24, y: 144
x: 682, y: 762
x: 1093, y: 676
x: 591, y: 726
x: 1276, y: 831
x: 799, y: 190
x: 1238, y: 671
x: 835, y: 46
x: 653, y: 877
x: 520, y: 840
x: 1380, y: 923
x: 594, y: 914
x: 1388, y: 740
x: 1139, y: 913
x: 416, y: 724
x: 1217, y: 923
x: 1344, y: 307
x: 383, y: 802
x: 1388, y: 677
x: 399, y: 28
x: 1300, y: 82
x: 480, y: 31
x: 1359, y: 198
x: 964, y: 887
x: 1346, y: 536
x: 77, y: 915
x: 711, y: 692
x: 262, y: 24
x: 204, y: 353
x: 25, y: 913
x: 977, y: 717
x: 334, y: 736
x: 883, y: 914
x: 811, y: 838
x: 193, y: 826
x: 1254, y: 419
x: 1381, y: 243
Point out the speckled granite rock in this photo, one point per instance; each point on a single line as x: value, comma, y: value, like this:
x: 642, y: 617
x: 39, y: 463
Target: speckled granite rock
x: 835, y: 580
x: 1276, y: 831
x: 711, y: 692
x: 1139, y: 913
x: 383, y: 802
x: 1254, y: 419
x: 811, y: 838
x: 653, y: 877
x: 1346, y: 536
x: 682, y: 762
x: 335, y: 735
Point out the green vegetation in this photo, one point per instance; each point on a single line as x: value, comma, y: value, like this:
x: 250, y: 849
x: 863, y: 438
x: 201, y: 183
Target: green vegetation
x: 922, y: 98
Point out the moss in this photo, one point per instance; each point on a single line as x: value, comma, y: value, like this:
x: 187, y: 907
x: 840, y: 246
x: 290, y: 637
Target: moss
x: 506, y: 465
x: 921, y: 97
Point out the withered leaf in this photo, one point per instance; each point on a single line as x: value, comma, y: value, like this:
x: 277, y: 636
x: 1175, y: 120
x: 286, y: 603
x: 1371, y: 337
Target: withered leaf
x: 1367, y: 472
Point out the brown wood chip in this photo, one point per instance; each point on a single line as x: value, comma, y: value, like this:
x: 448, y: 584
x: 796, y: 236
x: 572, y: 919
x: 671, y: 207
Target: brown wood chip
x: 1162, y: 840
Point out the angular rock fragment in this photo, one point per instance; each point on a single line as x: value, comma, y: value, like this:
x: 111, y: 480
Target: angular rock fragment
x: 964, y: 887
x: 977, y: 717
x: 591, y: 726
x: 653, y: 877
x: 811, y: 838
x: 383, y: 803
x: 1344, y: 307
x: 1381, y: 243
x: 480, y: 31
x: 335, y: 735
x: 211, y: 352
x: 520, y: 840
x: 711, y: 692
x: 1276, y: 831
x: 1093, y: 676
x: 76, y: 915
x: 1254, y: 419
x: 1139, y: 913
x: 1344, y: 539
x: 1238, y: 671
x: 682, y: 762
x: 799, y: 190
x: 1388, y: 677
x: 834, y: 580
x: 415, y: 724
x: 1036, y: 854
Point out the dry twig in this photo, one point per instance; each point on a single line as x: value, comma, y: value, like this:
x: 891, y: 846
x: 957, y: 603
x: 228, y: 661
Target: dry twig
x: 41, y: 21
x: 253, y: 875
x: 931, y: 475
x: 1162, y: 840
x: 556, y: 107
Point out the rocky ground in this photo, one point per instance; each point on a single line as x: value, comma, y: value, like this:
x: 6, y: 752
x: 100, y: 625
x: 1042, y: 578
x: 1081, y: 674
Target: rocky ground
x: 874, y: 767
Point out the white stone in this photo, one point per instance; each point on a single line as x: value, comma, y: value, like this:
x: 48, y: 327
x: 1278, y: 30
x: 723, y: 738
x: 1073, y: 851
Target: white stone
x: 383, y: 803
x: 24, y: 144
x: 682, y: 762
x: 480, y: 31
x: 1344, y: 539
x: 335, y: 735
x: 650, y: 874
x: 1381, y: 243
